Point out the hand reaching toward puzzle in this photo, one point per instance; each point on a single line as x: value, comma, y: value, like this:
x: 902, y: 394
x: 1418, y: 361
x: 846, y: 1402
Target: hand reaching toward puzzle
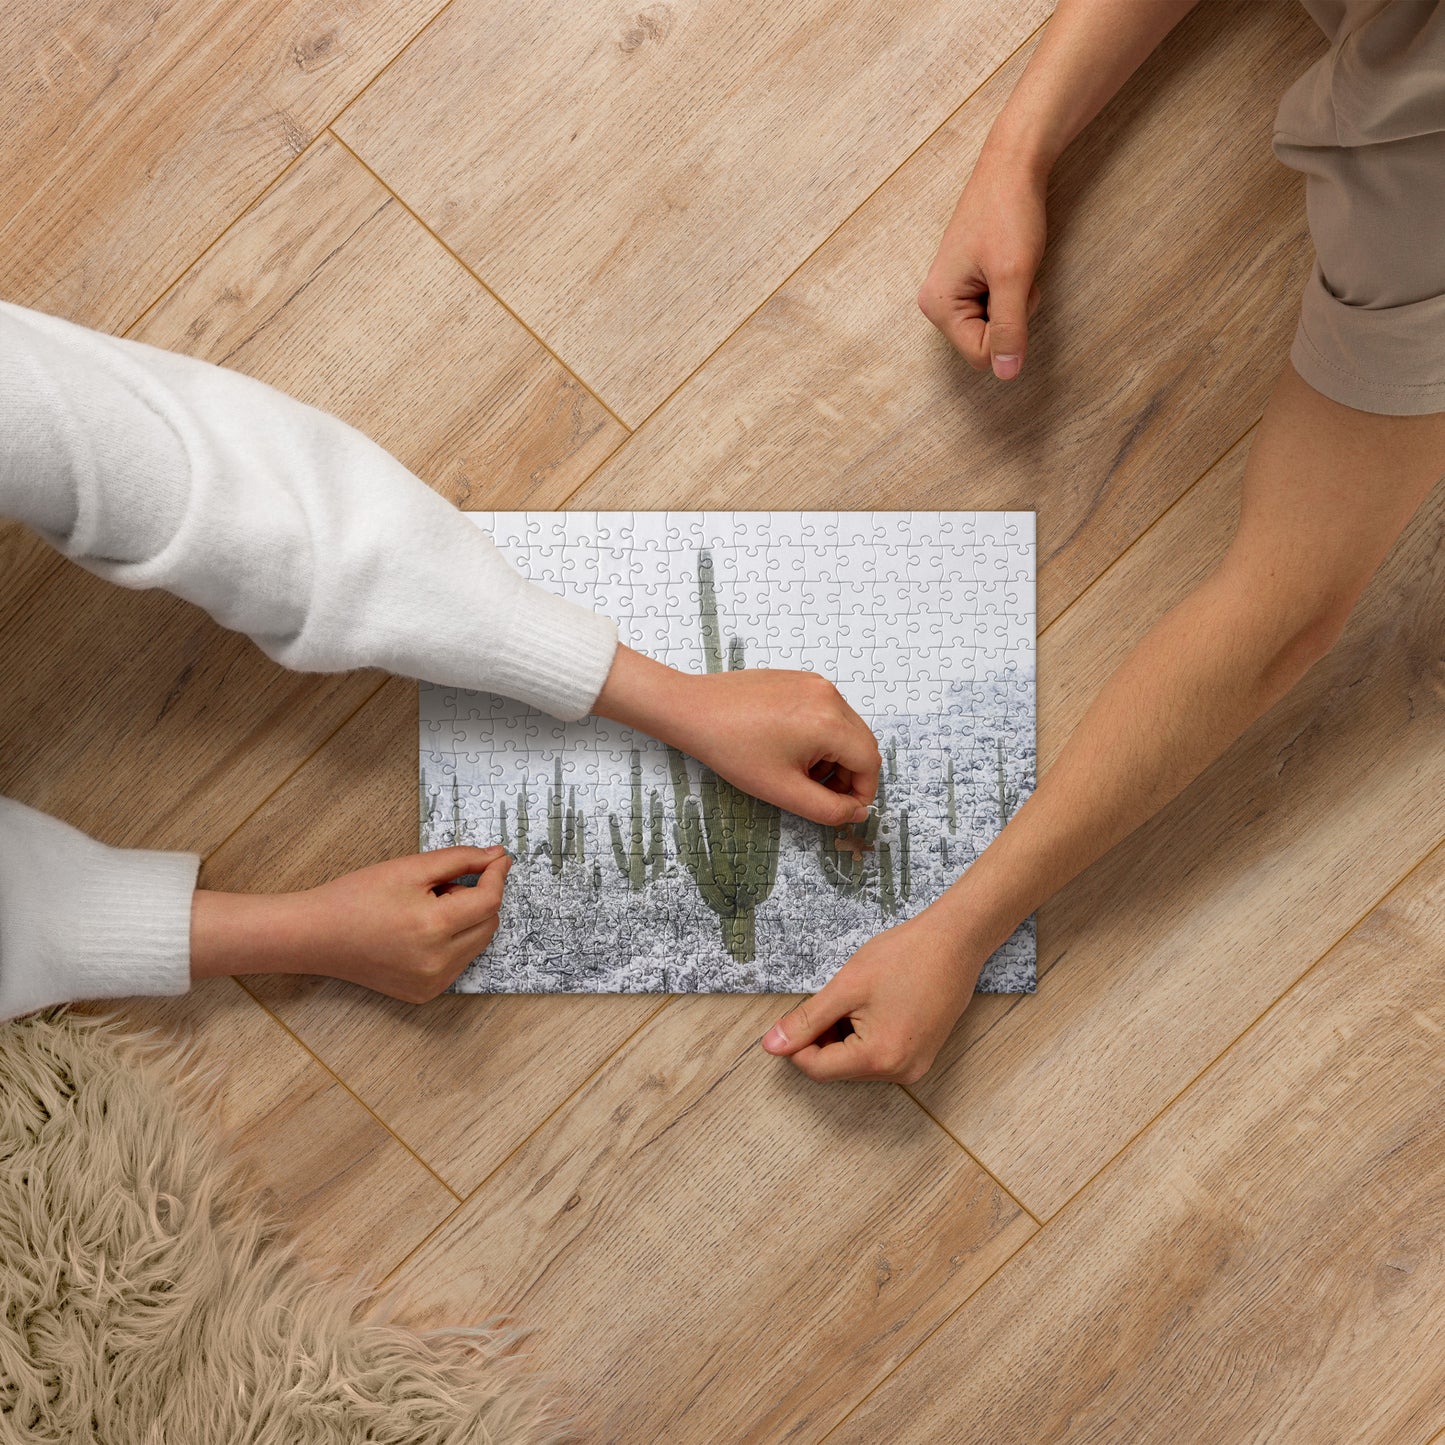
x: 980, y: 289
x: 886, y: 1013
x: 404, y: 927
x: 787, y: 737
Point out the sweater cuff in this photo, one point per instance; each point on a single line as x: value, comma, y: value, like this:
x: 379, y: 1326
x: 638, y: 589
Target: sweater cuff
x: 555, y: 655
x: 129, y: 924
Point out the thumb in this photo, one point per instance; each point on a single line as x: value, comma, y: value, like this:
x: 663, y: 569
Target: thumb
x: 801, y: 1026
x: 1008, y: 326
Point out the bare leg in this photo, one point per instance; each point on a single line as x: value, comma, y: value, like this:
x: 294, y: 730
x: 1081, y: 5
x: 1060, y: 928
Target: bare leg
x: 1327, y: 490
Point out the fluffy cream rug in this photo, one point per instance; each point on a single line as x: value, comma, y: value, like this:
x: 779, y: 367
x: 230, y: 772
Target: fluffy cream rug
x: 150, y: 1299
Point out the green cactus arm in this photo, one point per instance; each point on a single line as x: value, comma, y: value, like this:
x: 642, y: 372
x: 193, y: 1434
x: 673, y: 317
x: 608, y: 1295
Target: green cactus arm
x: 698, y: 862
x: 707, y: 612
x: 619, y: 853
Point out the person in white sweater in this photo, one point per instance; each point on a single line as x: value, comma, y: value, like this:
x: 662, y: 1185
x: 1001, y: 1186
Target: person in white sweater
x: 152, y: 469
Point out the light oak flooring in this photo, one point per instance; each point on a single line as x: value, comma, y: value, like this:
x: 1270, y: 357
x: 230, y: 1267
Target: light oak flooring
x: 665, y: 255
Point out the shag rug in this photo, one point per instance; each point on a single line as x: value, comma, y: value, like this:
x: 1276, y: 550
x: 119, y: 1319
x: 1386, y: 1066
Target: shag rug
x: 151, y: 1298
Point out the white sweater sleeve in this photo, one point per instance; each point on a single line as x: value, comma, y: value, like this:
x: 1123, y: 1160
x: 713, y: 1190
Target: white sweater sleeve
x: 152, y: 469
x: 81, y: 920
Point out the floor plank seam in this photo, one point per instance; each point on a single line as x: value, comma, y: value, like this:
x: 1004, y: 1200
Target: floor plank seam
x: 1049, y: 1221
x: 206, y: 858
x: 529, y: 1136
x: 280, y: 175
x: 956, y: 1310
x: 562, y: 504
x: 1114, y: 562
x: 974, y: 1159
x: 301, y: 1043
x: 1254, y: 1023
x: 570, y: 370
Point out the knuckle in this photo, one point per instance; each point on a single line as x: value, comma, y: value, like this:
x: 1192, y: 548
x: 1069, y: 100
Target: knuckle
x: 890, y: 1059
x: 1009, y: 270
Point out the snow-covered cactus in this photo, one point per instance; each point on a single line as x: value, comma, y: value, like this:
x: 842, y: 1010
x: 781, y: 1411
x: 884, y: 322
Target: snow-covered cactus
x: 633, y: 859
x: 1007, y: 796
x: 728, y: 841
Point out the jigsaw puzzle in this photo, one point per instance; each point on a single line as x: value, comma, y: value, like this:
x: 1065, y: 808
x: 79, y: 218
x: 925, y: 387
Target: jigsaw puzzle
x: 637, y: 870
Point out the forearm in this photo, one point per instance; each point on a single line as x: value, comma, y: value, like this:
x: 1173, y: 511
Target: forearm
x: 79, y: 919
x: 1326, y: 493
x: 157, y: 470
x: 1088, y: 49
x: 1192, y: 685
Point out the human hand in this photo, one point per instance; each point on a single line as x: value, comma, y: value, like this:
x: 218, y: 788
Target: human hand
x: 886, y: 1013
x: 404, y: 927
x: 787, y: 737
x: 980, y: 289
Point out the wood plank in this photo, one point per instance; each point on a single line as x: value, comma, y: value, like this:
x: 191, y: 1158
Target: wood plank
x: 463, y: 1079
x: 1262, y: 1265
x: 136, y: 133
x: 139, y: 720
x: 357, y: 1200
x: 713, y: 1247
x: 1154, y: 349
x: 331, y: 291
x: 685, y: 160
x: 328, y: 289
x: 1166, y: 949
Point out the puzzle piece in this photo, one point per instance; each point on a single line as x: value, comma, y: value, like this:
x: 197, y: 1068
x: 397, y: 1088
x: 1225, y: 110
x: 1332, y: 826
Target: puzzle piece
x: 637, y: 871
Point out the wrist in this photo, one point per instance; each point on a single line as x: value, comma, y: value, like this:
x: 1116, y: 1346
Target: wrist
x: 235, y: 933
x: 645, y: 694
x: 1019, y: 146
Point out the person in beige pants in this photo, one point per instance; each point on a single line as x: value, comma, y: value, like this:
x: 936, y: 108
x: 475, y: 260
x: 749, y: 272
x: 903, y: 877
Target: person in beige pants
x: 1350, y: 444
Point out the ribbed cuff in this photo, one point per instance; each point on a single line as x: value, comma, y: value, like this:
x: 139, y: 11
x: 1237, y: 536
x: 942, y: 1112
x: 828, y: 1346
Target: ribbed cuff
x: 555, y: 656
x: 128, y: 924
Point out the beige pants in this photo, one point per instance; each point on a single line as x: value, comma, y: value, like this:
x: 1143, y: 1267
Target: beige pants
x: 1366, y: 126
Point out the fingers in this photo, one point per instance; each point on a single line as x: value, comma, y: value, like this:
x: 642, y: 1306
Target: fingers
x: 442, y: 865
x: 472, y: 941
x: 800, y: 1026
x: 821, y: 804
x: 847, y: 1058
x: 1008, y: 314
x: 469, y: 907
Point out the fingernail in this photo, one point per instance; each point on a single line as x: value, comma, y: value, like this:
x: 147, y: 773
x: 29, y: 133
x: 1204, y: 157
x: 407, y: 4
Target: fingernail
x: 1006, y: 367
x: 775, y: 1038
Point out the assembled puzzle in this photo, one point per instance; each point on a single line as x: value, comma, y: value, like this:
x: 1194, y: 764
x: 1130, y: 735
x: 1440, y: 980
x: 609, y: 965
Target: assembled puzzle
x: 637, y: 870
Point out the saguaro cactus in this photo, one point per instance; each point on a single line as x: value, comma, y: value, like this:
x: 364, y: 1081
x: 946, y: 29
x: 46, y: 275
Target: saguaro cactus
x: 952, y: 802
x: 726, y: 839
x: 1007, y: 796
x: 555, y: 830
x: 522, y: 824
x: 457, y: 837
x: 428, y: 805
x: 632, y: 860
x: 834, y: 845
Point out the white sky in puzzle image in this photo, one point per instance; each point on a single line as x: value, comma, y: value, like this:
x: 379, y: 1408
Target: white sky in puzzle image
x: 891, y: 605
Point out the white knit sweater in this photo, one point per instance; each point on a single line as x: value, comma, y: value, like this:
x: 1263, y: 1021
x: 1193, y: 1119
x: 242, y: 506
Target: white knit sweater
x: 156, y: 470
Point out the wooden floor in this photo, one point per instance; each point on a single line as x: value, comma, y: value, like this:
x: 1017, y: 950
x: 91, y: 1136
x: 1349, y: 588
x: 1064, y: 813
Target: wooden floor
x: 576, y: 255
